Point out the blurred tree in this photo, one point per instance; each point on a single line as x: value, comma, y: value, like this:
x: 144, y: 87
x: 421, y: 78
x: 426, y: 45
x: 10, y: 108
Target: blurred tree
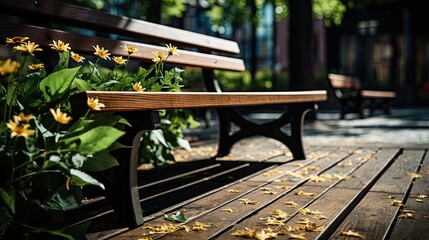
x: 238, y: 12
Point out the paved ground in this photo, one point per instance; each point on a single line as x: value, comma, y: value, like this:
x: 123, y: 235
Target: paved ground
x: 403, y: 127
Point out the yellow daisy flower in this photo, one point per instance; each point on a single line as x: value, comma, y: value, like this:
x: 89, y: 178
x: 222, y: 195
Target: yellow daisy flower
x: 27, y: 48
x: 76, y: 57
x: 94, y: 104
x: 60, y: 46
x: 36, y: 66
x: 159, y: 55
x: 23, y: 118
x: 119, y: 60
x: 16, y: 40
x: 60, y: 117
x: 101, y: 52
x: 172, y: 50
x: 130, y: 49
x: 19, y: 130
x: 137, y: 87
x: 156, y: 60
x: 8, y: 67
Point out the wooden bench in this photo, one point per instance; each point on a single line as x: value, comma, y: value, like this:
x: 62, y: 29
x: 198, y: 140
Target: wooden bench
x: 204, y: 51
x: 353, y: 99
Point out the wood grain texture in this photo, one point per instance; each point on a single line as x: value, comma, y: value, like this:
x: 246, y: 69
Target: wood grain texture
x: 140, y: 101
x: 371, y: 217
x: 84, y: 44
x: 263, y: 201
x: 415, y: 228
x: 62, y: 12
x: 396, y: 178
x: 254, y: 222
x: 279, y: 172
x: 370, y: 171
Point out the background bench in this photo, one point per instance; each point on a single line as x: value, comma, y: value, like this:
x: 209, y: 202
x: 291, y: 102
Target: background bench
x: 33, y: 19
x: 353, y: 99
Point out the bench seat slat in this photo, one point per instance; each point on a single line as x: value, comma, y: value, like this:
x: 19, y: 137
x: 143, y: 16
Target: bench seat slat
x: 84, y: 17
x: 378, y: 94
x: 81, y: 43
x: 139, y: 101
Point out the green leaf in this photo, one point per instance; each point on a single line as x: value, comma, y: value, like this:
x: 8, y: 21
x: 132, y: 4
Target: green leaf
x: 81, y: 179
x: 57, y: 84
x: 81, y: 85
x: 184, y: 144
x: 64, y: 199
x: 5, y: 219
x: 177, y: 217
x: 78, y: 160
x: 158, y: 137
x: 8, y: 197
x: 63, y: 61
x: 93, y: 140
x: 143, y: 73
x: 99, y: 162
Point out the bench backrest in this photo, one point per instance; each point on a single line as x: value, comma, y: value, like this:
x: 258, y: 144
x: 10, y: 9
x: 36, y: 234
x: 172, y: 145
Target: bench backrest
x: 338, y: 81
x: 34, y: 19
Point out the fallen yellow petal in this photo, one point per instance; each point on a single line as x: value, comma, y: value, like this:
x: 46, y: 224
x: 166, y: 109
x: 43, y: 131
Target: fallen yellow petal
x: 233, y: 191
x: 297, y: 236
x: 350, y: 233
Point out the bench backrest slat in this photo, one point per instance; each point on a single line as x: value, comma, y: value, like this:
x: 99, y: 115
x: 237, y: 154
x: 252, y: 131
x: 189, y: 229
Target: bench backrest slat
x: 80, y: 43
x: 342, y: 81
x: 83, y: 17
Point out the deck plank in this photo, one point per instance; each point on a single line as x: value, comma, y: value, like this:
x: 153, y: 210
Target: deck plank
x: 359, y: 203
x: 374, y: 215
x: 262, y: 200
x: 396, y: 178
x: 415, y: 228
x: 338, y: 201
x: 302, y: 201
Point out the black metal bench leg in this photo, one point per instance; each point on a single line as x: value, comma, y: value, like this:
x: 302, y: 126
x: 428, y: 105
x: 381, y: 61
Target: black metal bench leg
x: 121, y: 181
x: 293, y: 116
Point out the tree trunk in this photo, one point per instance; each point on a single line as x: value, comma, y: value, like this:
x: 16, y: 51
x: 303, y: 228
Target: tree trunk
x: 253, y: 42
x: 154, y: 11
x: 301, y: 45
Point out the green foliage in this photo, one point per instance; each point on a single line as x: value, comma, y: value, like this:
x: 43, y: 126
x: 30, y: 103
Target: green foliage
x: 331, y: 11
x: 48, y: 157
x: 237, y: 12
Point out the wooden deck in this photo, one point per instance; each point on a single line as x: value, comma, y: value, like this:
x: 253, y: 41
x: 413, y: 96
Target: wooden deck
x: 372, y: 192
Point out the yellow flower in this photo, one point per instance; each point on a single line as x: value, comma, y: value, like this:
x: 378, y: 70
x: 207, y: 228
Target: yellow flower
x: 36, y: 66
x: 172, y: 50
x: 23, y: 118
x: 16, y: 40
x: 28, y: 48
x: 60, y: 46
x: 8, y: 67
x: 60, y: 117
x: 130, y: 49
x: 156, y: 60
x: 119, y: 60
x: 101, y: 52
x: 76, y: 57
x: 159, y: 55
x: 94, y: 104
x: 19, y: 130
x: 138, y: 87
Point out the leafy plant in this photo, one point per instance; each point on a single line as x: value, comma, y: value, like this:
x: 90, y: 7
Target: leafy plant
x: 47, y: 157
